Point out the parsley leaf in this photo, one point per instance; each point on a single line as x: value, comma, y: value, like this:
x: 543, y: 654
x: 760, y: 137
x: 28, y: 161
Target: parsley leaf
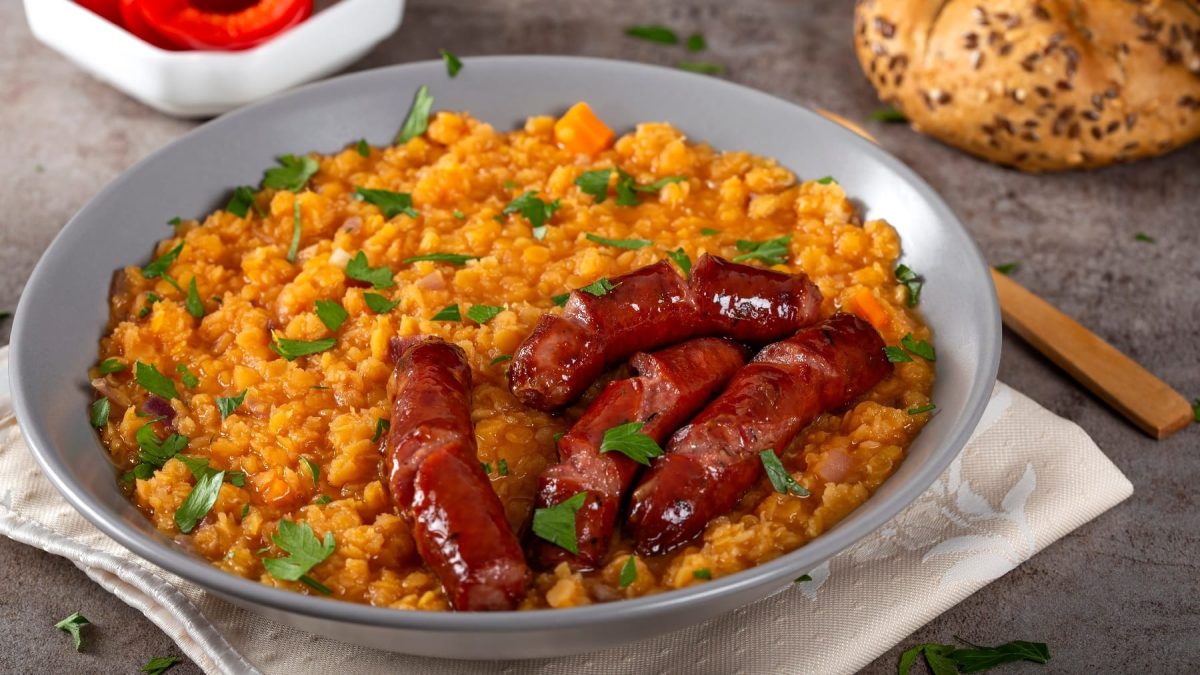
x: 702, y: 67
x: 949, y: 660
x: 294, y: 349
x: 379, y: 304
x: 314, y: 470
x: 912, y: 281
x: 483, y: 313
x: 709, y: 231
x: 696, y: 43
x: 292, y: 174
x: 680, y: 257
x: 631, y: 244
x: 556, y: 524
x: 448, y: 313
x: 595, y: 183
x: 195, y: 306
x: 73, y: 624
x: 781, y: 480
x: 628, y: 572
x: 560, y: 299
x: 159, y: 665
x: 888, y: 114
x: 659, y: 184
x: 653, y: 33
x: 500, y: 359
x: 535, y: 210
x: 1007, y: 268
x: 1142, y: 236
x: 359, y: 270
x: 227, y: 404
x: 459, y: 215
x: 199, y: 501
x: 502, y: 467
x: 600, y: 287
x: 802, y: 578
x: 922, y: 410
x: 896, y: 354
x: 919, y: 347
x: 322, y: 499
x: 155, y: 452
x: 390, y: 203
x: 702, y: 573
x: 304, y: 551
x: 111, y: 365
x: 151, y: 298
x: 487, y: 468
x: 154, y: 381
x: 295, y: 247
x: 159, y: 266
x: 331, y: 313
x: 241, y: 201
x: 189, y: 379
x: 452, y: 258
x: 453, y: 64
x: 770, y: 252
x: 629, y: 440
x: 381, y: 427
x: 99, y: 412
x: 363, y: 149
x: 418, y: 116
x: 827, y: 180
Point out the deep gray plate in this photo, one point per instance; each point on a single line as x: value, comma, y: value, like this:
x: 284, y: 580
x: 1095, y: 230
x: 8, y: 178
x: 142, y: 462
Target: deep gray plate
x: 63, y: 312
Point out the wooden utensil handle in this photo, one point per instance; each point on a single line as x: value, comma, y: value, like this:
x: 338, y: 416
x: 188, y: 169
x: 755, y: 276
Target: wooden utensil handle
x: 1147, y: 401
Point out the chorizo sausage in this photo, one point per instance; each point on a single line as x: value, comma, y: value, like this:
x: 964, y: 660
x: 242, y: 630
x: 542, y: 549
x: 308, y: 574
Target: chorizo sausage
x: 710, y: 463
x: 649, y: 308
x: 437, y: 483
x: 670, y: 386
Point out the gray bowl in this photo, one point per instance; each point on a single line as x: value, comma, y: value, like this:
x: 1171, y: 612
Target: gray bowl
x: 64, y: 310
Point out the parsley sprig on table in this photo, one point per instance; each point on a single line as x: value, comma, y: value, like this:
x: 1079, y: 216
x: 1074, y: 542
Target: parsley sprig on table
x: 74, y: 625
x: 952, y: 659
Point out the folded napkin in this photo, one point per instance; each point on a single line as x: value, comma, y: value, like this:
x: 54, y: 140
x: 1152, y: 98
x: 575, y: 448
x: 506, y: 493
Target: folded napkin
x: 1025, y: 479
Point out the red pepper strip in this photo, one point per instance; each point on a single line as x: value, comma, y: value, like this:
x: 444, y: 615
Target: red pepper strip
x: 222, y: 25
x: 108, y: 9
x: 132, y: 21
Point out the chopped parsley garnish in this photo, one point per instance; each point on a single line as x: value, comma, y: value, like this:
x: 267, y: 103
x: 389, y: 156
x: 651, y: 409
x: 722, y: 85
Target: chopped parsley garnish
x: 560, y: 299
x: 558, y: 436
x: 802, y: 578
x: 919, y: 347
x: 111, y: 365
x: 653, y: 33
x: 922, y: 410
x: 487, y: 468
x: 73, y: 624
x: 556, y: 524
x: 680, y: 257
x: 709, y: 231
x: 154, y: 381
x: 159, y: 665
x: 154, y: 452
x: 294, y: 349
x: 199, y: 501
x: 769, y: 252
x: 245, y: 510
x: 459, y: 215
x: 448, y: 313
x: 780, y: 479
x: 510, y: 185
x: 379, y: 304
x: 453, y: 64
x: 595, y: 183
x: 363, y: 149
x: 452, y: 258
x: 331, y: 313
x: 159, y: 266
x: 627, y: 186
x: 390, y: 203
x: 897, y: 354
x: 600, y: 287
x: 359, y: 270
x: 199, y: 468
x: 500, y: 359
x: 227, y: 404
x: 702, y: 67
x: 175, y: 222
x: 381, y: 427
x: 951, y: 659
x: 631, y: 244
x: 502, y: 467
x: 188, y: 377
x: 629, y: 440
x: 314, y: 470
x: 194, y: 305
x: 241, y: 201
x: 659, y: 184
x: 1142, y: 236
x: 1007, y: 268
x: 322, y: 499
x: 827, y: 180
x: 292, y: 174
x: 628, y: 572
x: 483, y: 313
x: 304, y: 551
x: 99, y: 412
x: 889, y: 114
x: 696, y: 43
x: 295, y: 246
x: 702, y: 573
x: 418, y: 116
x: 912, y: 281
x: 535, y: 210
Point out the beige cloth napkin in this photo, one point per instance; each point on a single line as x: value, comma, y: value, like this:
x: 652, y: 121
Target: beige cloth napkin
x: 1026, y: 478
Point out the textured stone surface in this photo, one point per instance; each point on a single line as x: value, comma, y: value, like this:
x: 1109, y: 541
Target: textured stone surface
x: 1121, y: 594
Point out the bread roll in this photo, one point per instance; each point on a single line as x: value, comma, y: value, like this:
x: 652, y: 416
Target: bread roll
x: 1040, y: 85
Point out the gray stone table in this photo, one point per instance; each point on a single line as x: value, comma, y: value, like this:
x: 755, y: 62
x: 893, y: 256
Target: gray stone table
x: 1120, y: 594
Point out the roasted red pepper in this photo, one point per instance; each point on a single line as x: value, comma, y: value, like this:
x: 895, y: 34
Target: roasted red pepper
x: 216, y: 24
x: 109, y: 9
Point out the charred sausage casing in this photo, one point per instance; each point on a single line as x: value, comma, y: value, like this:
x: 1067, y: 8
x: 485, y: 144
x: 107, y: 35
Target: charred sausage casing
x: 710, y: 463
x: 437, y: 483
x: 670, y: 386
x: 650, y: 308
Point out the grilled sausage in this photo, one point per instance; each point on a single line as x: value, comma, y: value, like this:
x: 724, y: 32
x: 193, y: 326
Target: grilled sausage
x: 437, y: 483
x: 671, y: 385
x: 649, y: 308
x: 713, y: 461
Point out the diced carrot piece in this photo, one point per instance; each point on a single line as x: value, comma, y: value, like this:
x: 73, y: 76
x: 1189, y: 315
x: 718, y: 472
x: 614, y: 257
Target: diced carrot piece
x: 580, y: 131
x: 868, y: 308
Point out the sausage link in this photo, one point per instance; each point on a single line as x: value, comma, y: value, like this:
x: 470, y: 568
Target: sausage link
x: 649, y: 308
x: 437, y: 483
x: 713, y: 461
x: 671, y: 385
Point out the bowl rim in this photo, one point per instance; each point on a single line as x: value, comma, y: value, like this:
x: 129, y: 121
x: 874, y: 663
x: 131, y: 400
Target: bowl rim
x: 780, y: 571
